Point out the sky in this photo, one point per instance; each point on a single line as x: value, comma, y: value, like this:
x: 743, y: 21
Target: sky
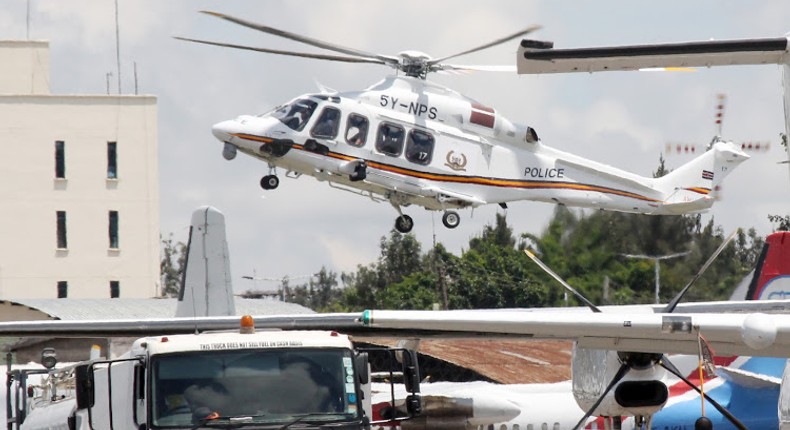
x: 624, y: 119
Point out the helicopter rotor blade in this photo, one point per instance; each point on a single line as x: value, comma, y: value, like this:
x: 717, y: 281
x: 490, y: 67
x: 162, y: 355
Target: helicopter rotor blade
x: 666, y: 364
x: 289, y: 53
x: 475, y: 68
x: 673, y: 304
x: 624, y: 368
x: 499, y: 41
x: 384, y: 59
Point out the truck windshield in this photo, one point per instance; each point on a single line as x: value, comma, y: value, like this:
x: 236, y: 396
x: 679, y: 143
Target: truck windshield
x: 253, y: 387
x: 295, y: 114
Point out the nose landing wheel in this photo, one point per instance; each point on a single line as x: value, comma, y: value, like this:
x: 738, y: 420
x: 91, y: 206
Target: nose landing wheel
x: 450, y: 219
x: 270, y: 182
x: 404, y: 223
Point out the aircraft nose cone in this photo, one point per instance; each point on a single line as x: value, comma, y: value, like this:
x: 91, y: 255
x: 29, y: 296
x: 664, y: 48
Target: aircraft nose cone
x: 486, y: 410
x: 222, y: 130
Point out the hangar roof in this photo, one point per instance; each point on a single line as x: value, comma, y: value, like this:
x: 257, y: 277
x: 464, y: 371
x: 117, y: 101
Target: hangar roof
x: 81, y: 309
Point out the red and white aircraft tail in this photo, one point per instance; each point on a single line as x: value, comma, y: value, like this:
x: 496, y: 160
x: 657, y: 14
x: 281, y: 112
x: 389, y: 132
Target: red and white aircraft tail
x: 771, y: 279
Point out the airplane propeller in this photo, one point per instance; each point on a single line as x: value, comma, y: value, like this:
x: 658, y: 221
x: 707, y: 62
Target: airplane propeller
x: 639, y: 360
x: 412, y: 63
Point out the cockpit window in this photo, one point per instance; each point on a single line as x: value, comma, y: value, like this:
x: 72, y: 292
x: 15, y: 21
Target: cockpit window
x: 419, y: 147
x: 327, y: 124
x: 356, y: 130
x: 389, y: 139
x: 295, y: 115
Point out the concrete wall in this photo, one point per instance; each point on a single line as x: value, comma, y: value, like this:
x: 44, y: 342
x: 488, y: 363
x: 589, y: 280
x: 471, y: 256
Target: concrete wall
x: 30, y: 262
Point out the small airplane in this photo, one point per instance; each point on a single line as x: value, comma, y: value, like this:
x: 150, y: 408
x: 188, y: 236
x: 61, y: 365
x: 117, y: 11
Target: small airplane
x: 751, y: 331
x: 408, y: 141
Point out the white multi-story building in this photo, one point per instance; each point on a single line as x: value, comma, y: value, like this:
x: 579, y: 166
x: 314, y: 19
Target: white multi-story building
x: 79, y: 191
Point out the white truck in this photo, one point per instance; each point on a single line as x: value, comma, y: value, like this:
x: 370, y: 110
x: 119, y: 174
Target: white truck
x: 271, y: 379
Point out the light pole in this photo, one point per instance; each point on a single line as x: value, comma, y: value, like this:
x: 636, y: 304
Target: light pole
x: 656, y: 259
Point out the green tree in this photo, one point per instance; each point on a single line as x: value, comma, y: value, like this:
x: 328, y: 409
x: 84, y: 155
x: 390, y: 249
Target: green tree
x: 171, y: 265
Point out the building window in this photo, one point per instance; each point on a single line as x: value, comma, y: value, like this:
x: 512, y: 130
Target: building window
x: 60, y: 159
x: 115, y: 289
x: 112, y: 160
x: 63, y: 289
x: 61, y: 220
x: 113, y: 229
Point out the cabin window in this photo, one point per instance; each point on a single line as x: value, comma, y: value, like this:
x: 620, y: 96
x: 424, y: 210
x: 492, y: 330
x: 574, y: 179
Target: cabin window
x: 356, y: 130
x: 327, y: 125
x: 60, y: 159
x: 419, y: 147
x: 389, y: 139
x: 295, y: 115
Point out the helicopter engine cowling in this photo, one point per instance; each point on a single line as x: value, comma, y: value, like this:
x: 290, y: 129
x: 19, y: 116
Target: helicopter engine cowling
x: 641, y: 392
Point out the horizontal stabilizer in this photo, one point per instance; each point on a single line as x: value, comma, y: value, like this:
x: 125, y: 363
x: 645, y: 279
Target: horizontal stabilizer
x: 748, y: 379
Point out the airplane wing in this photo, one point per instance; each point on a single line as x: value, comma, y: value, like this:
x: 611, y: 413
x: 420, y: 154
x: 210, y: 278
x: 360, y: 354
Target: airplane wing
x: 163, y: 326
x: 356, y: 324
x: 753, y: 334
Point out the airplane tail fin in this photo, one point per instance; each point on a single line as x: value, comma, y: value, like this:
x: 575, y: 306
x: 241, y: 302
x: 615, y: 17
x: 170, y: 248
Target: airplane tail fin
x: 695, y: 185
x: 206, y: 288
x: 771, y: 279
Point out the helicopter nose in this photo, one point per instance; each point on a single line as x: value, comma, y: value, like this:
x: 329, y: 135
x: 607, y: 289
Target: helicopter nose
x: 222, y: 130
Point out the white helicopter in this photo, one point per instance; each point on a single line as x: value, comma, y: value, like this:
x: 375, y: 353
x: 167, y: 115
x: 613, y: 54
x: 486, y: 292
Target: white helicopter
x: 409, y: 141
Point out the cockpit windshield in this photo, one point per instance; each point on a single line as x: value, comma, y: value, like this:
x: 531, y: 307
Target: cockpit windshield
x: 254, y: 386
x: 296, y: 114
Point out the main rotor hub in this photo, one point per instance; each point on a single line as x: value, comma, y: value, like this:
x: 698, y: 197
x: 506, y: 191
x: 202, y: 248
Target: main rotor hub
x: 414, y: 63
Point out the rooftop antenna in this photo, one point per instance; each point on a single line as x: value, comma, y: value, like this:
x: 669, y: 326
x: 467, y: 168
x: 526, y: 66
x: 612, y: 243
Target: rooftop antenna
x: 27, y: 26
x: 107, y: 75
x: 117, y: 48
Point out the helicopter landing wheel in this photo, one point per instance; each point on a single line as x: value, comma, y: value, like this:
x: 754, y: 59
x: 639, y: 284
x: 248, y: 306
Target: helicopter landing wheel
x: 450, y: 219
x: 270, y: 182
x: 404, y: 223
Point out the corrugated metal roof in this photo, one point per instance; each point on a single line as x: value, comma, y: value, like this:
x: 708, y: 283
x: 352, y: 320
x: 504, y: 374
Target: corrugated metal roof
x: 507, y: 361
x: 82, y: 309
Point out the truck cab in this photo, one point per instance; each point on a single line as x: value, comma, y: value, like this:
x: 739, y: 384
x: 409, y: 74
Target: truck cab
x: 271, y: 379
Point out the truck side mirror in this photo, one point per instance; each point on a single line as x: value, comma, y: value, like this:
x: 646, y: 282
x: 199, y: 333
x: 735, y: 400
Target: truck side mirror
x: 83, y: 375
x: 411, y: 371
x: 361, y: 367
x: 414, y: 404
